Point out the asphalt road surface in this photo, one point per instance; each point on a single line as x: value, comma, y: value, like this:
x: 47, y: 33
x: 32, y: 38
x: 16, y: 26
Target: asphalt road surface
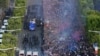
x: 96, y: 5
x: 32, y: 40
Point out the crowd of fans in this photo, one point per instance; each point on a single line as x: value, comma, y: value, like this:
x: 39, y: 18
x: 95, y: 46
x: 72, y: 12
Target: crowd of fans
x: 61, y: 49
x: 61, y: 28
x: 65, y: 47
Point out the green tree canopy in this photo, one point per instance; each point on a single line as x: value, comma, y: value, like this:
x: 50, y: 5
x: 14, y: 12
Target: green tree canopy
x: 14, y: 23
x: 3, y: 54
x: 93, y: 23
x: 93, y: 20
x: 9, y: 40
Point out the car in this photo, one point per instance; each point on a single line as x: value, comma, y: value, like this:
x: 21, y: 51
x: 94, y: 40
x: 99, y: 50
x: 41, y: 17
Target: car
x: 39, y: 22
x: 0, y: 41
x: 2, y: 31
x: 1, y: 35
x: 32, y: 24
x: 29, y: 53
x: 3, y: 27
x: 35, y: 53
x: 21, y: 53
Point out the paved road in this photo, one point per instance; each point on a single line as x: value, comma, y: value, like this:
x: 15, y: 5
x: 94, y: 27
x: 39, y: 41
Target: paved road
x: 32, y: 40
x: 96, y: 5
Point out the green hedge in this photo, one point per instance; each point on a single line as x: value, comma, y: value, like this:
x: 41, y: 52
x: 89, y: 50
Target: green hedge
x: 10, y: 39
x: 7, y: 53
x: 14, y: 23
x: 93, y: 23
x: 19, y: 12
x: 20, y: 3
x: 92, y: 20
x: 3, y: 54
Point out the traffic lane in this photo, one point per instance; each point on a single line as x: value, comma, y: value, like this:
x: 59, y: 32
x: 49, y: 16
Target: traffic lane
x: 38, y: 49
x: 20, y: 42
x: 26, y: 22
x: 31, y: 37
x: 36, y: 35
x: 21, y: 37
x: 34, y: 11
x: 30, y: 15
x: 11, y: 3
x: 16, y: 53
x: 27, y: 45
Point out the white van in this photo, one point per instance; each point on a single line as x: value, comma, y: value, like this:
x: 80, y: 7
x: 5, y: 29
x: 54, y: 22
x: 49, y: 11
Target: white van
x: 21, y: 53
x: 35, y: 53
x: 29, y: 53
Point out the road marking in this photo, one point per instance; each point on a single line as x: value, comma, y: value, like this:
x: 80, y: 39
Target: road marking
x: 7, y: 49
x: 20, y: 7
x: 13, y: 30
x: 15, y: 16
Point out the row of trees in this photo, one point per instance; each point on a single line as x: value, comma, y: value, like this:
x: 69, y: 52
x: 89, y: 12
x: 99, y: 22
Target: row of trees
x: 10, y: 38
x: 9, y: 41
x: 92, y: 20
x: 7, y: 53
x: 16, y: 23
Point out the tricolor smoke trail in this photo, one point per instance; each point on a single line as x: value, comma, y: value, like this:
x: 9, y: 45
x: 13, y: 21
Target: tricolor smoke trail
x: 63, y: 27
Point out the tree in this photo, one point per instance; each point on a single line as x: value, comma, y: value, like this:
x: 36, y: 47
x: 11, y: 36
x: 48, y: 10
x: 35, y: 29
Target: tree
x: 93, y: 21
x: 19, y: 12
x: 9, y: 40
x: 14, y: 23
x: 3, y: 54
x: 10, y: 53
x: 20, y: 2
